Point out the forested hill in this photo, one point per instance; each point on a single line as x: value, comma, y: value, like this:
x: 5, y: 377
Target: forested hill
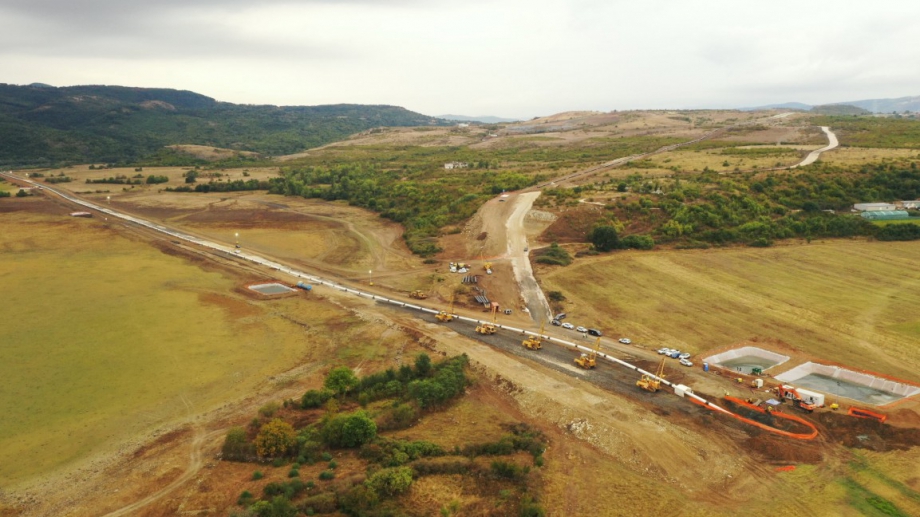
x: 43, y: 125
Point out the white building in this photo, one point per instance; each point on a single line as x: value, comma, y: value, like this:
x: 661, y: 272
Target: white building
x: 456, y: 165
x: 865, y: 207
x: 910, y: 204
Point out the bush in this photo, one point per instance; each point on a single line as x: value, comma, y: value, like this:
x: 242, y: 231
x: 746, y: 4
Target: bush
x: 899, y: 232
x: 257, y: 475
x: 326, y: 456
x: 320, y: 503
x: 276, y: 438
x: 236, y: 446
x: 638, y: 242
x: 341, y: 380
x: 245, y: 499
x: 333, y: 464
x: 507, y: 470
x: 315, y: 398
x: 349, y: 430
x: 604, y: 238
x: 326, y: 475
x: 293, y: 473
x: 269, y: 410
x: 391, y: 481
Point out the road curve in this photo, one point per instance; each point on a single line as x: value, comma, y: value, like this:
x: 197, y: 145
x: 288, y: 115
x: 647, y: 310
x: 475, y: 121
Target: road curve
x: 813, y: 156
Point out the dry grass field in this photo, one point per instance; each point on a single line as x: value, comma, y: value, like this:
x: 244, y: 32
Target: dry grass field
x: 852, y: 302
x: 106, y: 337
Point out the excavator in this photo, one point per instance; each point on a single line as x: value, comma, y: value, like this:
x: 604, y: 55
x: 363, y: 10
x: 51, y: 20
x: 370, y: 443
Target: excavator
x: 535, y: 342
x: 785, y: 391
x: 446, y: 317
x: 419, y: 294
x: 649, y: 383
x: 487, y: 329
x: 588, y: 361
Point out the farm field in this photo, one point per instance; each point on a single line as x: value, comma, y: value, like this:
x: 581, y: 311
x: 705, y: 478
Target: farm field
x: 851, y: 302
x: 105, y: 337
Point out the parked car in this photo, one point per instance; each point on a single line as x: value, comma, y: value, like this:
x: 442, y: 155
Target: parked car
x: 568, y: 326
x: 581, y: 329
x: 686, y: 362
x: 664, y: 351
x: 685, y: 355
x: 595, y: 332
x: 674, y: 354
x: 561, y: 316
x: 625, y: 340
x: 556, y: 322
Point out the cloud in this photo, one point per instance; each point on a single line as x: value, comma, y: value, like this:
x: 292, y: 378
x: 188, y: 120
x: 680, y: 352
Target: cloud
x: 505, y: 57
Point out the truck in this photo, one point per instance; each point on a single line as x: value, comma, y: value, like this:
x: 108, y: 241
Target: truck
x: 305, y: 287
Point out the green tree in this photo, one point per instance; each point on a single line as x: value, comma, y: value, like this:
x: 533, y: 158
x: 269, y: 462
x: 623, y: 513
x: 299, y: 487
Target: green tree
x: 422, y: 365
x: 349, y: 430
x: 341, y: 380
x: 236, y: 445
x: 276, y: 438
x: 604, y: 238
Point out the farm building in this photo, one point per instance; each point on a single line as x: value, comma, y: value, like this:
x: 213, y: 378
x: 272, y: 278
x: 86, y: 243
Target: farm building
x: 885, y: 215
x: 910, y: 204
x: 864, y: 207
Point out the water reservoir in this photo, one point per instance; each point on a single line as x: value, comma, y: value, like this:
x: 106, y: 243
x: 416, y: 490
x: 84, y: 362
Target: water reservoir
x: 270, y: 289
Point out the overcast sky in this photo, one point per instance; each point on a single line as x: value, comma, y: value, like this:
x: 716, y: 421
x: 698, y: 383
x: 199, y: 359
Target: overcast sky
x: 512, y: 58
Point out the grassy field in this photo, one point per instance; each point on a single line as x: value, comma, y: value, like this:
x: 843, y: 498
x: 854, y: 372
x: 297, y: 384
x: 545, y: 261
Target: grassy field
x: 852, y: 302
x: 104, y: 337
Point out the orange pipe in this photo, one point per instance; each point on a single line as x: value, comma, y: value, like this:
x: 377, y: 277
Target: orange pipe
x: 865, y: 413
x: 797, y: 436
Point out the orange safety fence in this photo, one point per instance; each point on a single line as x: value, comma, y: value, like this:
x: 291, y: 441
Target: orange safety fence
x: 865, y: 413
x: 787, y: 468
x: 778, y: 414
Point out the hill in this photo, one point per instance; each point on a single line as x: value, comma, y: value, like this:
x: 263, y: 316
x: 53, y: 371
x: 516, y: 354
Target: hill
x: 485, y: 119
x: 900, y: 105
x: 42, y: 125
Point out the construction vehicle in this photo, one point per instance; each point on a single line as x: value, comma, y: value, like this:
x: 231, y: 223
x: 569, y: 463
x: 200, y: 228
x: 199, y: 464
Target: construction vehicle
x: 649, y: 383
x: 446, y: 317
x: 535, y: 342
x: 787, y: 392
x: 418, y: 294
x: 488, y: 267
x: 588, y: 361
x: 487, y: 329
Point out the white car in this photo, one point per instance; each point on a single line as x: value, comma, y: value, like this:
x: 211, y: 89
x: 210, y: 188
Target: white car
x: 664, y: 351
x: 686, y: 362
x: 581, y: 329
x: 685, y: 355
x: 625, y: 340
x: 568, y: 326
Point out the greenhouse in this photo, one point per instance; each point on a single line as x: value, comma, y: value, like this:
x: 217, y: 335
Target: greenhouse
x: 885, y: 215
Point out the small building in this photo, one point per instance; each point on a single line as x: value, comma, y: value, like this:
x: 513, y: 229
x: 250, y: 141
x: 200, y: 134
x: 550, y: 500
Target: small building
x: 885, y: 215
x: 866, y: 207
x: 811, y: 397
x: 456, y: 165
x: 910, y: 205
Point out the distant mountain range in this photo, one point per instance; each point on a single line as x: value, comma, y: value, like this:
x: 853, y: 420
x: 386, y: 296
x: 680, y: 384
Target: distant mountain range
x: 484, y: 119
x: 45, y: 125
x: 900, y: 105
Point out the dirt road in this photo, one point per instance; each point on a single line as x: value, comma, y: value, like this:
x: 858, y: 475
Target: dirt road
x: 814, y: 155
x: 533, y: 296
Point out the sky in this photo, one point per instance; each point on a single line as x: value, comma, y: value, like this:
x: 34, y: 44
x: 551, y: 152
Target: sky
x: 510, y: 58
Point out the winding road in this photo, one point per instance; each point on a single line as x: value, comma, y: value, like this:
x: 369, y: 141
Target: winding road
x: 814, y: 155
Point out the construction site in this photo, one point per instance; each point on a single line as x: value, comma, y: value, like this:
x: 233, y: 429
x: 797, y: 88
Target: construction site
x: 745, y: 420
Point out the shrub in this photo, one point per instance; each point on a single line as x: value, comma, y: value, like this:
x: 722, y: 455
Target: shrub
x: 257, y: 475
x: 604, y: 238
x: 639, y: 242
x: 326, y: 475
x: 293, y: 473
x: 236, y: 445
x: 391, y: 481
x: 276, y: 438
x: 245, y: 499
x: 341, y: 380
x: 333, y: 464
x: 320, y: 503
x: 315, y: 398
x: 326, y: 456
x: 507, y: 470
x: 269, y: 410
x: 349, y: 430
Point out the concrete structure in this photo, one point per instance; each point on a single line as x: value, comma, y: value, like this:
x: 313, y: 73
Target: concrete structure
x: 837, y: 381
x: 682, y: 391
x: 863, y: 207
x: 746, y: 358
x: 910, y: 204
x: 272, y: 288
x: 456, y: 165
